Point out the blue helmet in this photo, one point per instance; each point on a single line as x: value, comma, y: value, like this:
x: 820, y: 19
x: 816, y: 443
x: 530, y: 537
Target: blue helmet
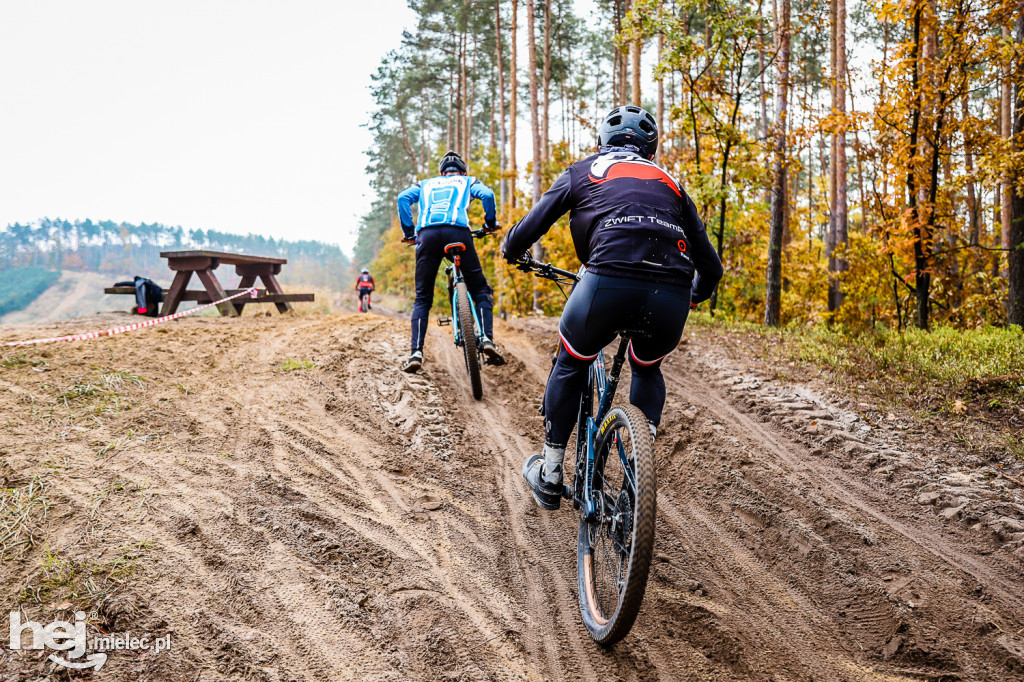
x: 630, y: 125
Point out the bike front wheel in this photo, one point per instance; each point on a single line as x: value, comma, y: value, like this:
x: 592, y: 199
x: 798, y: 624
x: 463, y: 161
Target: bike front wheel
x: 616, y: 541
x: 469, y: 348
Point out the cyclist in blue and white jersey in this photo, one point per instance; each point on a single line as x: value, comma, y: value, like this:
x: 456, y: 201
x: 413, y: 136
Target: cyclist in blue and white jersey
x: 443, y: 202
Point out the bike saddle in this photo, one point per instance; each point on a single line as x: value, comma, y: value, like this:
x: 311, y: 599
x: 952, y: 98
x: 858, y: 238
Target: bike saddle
x: 455, y: 247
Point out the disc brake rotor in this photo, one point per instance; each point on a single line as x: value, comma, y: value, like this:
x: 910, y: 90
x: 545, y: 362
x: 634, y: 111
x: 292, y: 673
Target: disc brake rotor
x: 620, y: 530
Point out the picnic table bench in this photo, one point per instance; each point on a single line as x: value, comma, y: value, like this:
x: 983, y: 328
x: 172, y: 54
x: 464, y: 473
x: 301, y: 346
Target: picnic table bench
x: 203, y: 263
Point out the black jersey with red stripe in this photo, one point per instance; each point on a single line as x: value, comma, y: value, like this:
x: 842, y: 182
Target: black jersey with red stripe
x: 629, y: 218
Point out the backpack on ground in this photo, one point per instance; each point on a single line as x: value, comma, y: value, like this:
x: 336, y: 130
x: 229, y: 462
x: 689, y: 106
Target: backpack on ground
x: 148, y: 296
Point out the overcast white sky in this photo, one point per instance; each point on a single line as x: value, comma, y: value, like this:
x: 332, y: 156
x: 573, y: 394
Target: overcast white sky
x: 234, y: 115
x: 237, y: 115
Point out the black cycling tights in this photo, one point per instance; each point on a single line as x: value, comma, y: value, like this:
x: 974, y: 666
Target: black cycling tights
x: 430, y: 243
x: 601, y: 306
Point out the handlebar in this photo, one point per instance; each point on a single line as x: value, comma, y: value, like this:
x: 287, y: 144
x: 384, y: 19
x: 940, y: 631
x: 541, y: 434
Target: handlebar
x: 477, y: 234
x: 526, y: 263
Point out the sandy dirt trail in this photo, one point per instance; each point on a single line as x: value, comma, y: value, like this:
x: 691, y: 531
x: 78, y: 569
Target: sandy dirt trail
x: 342, y: 520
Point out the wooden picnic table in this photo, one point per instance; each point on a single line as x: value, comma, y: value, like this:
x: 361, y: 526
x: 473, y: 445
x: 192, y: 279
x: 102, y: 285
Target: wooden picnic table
x: 203, y: 263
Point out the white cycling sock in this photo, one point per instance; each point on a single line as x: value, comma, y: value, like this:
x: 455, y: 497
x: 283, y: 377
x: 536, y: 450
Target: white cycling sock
x: 552, y: 471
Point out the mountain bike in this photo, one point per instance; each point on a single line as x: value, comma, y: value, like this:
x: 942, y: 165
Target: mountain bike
x: 614, y: 488
x: 364, y: 301
x: 465, y: 320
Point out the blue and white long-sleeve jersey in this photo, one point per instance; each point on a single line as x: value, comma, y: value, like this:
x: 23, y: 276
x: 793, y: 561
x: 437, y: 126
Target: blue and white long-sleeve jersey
x: 443, y: 200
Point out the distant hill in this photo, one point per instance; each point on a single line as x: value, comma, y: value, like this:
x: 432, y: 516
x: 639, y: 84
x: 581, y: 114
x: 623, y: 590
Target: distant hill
x: 71, y: 294
x: 20, y: 286
x: 124, y: 248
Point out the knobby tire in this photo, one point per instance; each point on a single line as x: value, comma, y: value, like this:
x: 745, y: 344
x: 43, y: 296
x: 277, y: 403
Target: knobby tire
x: 469, y: 347
x: 607, y: 629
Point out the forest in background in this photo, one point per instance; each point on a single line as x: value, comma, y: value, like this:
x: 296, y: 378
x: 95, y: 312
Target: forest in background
x: 859, y: 163
x: 124, y: 249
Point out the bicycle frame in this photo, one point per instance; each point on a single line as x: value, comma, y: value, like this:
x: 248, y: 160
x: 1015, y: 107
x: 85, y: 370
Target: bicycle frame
x: 454, y: 274
x: 602, y: 385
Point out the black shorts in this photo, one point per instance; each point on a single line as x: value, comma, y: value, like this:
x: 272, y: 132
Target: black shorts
x: 602, y: 306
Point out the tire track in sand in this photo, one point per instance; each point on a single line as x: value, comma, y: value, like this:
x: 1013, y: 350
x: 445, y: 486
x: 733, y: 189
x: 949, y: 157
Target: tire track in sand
x: 547, y: 543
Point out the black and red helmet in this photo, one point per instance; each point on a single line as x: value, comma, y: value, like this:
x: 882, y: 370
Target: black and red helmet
x: 630, y: 125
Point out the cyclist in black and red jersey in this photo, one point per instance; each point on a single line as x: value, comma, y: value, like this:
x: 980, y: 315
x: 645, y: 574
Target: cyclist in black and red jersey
x: 364, y: 283
x: 647, y: 259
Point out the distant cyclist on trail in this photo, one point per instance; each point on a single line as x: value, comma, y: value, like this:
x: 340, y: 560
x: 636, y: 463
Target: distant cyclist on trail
x: 443, y: 201
x: 364, y: 283
x: 647, y: 259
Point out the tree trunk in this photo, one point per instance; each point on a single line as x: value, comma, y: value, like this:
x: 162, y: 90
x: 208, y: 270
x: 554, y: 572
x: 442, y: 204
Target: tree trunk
x: 724, y: 176
x: 810, y: 163
x: 831, y: 168
x: 467, y: 121
x: 634, y: 49
x: 1005, y: 126
x: 492, y: 127
x: 922, y: 276
x: 661, y: 97
x: 881, y: 92
x: 451, y: 112
x: 1015, y: 298
x: 623, y: 61
x: 762, y: 92
x: 513, y: 113
x: 503, y: 131
x: 973, y: 223
x: 773, y: 294
x: 764, y: 129
x: 616, y: 53
x: 460, y: 99
x: 407, y: 143
x: 538, y: 250
x: 672, y: 98
x: 546, y: 118
x: 839, y: 223
x: 860, y: 159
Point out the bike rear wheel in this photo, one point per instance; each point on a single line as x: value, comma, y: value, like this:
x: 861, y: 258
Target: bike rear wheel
x: 614, y: 551
x: 469, y: 348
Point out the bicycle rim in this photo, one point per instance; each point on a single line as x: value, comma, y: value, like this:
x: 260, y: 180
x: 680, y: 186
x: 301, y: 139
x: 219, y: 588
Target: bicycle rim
x: 469, y: 348
x: 614, y: 553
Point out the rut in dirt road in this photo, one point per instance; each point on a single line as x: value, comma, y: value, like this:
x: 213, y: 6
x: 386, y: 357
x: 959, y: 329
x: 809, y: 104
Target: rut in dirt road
x: 347, y: 521
x: 771, y: 560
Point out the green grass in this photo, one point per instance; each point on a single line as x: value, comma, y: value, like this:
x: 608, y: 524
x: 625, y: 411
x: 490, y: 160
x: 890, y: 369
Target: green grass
x: 987, y: 361
x: 21, y: 509
x: 292, y: 364
x: 16, y: 361
x: 100, y: 390
x: 945, y: 355
x: 84, y: 583
x: 20, y: 286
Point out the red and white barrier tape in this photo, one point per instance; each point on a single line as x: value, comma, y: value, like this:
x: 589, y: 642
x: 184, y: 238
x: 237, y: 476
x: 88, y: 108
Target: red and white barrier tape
x: 251, y: 291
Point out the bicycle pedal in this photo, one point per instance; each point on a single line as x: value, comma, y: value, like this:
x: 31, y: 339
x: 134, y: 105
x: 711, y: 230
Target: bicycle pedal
x: 444, y: 322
